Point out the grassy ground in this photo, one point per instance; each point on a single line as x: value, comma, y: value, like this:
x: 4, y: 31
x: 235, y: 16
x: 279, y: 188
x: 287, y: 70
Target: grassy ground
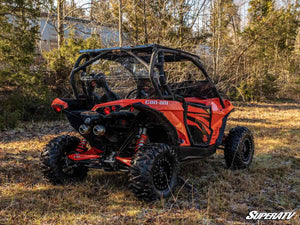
x: 224, y: 197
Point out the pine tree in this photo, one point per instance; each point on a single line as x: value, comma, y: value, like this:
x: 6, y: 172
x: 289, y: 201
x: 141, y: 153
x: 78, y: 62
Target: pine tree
x: 273, y: 33
x: 19, y: 77
x: 19, y: 33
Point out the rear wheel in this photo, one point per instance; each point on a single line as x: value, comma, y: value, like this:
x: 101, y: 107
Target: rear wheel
x: 153, y: 173
x: 56, y: 166
x: 239, y: 148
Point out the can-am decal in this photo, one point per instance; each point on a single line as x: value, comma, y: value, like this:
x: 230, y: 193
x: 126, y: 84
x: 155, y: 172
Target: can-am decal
x: 156, y: 102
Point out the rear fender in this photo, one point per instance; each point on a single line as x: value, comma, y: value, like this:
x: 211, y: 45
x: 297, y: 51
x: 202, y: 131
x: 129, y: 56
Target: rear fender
x: 148, y: 112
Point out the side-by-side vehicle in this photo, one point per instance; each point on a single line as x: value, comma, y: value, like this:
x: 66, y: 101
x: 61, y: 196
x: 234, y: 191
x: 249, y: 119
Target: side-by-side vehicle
x: 169, y: 113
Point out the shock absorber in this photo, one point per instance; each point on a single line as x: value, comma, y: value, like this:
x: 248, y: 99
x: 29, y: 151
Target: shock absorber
x: 142, y: 139
x: 82, y: 145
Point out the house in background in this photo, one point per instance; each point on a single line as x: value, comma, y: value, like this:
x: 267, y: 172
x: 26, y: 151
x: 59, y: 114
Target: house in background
x: 80, y: 27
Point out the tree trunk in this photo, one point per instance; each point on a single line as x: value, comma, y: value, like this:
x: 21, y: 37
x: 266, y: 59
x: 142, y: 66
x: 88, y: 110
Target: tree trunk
x: 145, y: 24
x: 60, y: 23
x: 213, y: 5
x: 218, y: 39
x: 91, y: 11
x: 136, y: 23
x: 120, y: 24
x: 72, y: 7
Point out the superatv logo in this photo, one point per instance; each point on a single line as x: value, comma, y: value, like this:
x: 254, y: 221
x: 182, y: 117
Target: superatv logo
x: 254, y: 215
x: 155, y: 102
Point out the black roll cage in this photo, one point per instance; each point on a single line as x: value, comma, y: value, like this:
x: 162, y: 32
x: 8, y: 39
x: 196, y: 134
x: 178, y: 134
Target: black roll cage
x: 157, y: 60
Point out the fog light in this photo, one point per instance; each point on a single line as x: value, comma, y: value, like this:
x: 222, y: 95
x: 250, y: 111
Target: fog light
x: 84, y: 129
x: 99, y: 130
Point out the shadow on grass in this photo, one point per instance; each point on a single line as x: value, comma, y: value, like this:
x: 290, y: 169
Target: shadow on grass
x: 74, y: 200
x: 100, y: 193
x: 21, y: 167
x: 258, y: 129
x: 28, y: 131
x: 270, y: 183
x: 247, y: 120
x: 280, y: 106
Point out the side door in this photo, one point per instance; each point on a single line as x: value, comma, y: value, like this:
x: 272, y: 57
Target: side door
x: 198, y: 122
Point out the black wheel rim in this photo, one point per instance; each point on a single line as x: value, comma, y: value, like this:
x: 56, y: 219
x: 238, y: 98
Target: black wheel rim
x: 246, y: 150
x: 162, y: 173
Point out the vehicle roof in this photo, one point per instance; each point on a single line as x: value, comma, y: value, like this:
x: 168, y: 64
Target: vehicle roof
x: 147, y: 50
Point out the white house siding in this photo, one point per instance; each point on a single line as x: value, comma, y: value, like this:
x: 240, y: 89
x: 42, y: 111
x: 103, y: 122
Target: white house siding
x: 81, y: 28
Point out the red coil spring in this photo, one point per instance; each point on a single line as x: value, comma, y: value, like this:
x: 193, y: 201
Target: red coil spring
x: 140, y: 142
x: 82, y: 145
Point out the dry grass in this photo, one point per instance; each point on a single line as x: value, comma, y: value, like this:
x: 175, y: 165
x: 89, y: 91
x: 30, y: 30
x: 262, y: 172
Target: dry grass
x: 224, y: 197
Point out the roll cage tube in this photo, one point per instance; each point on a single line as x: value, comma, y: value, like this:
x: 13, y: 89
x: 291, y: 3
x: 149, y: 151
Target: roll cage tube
x: 82, y: 67
x: 80, y: 58
x: 158, y: 53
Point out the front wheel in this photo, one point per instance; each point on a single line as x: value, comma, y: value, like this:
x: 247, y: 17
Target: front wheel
x: 56, y: 166
x: 153, y: 172
x: 239, y: 148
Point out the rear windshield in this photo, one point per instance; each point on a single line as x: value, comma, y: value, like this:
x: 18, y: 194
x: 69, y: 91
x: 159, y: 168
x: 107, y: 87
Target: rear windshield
x: 122, y: 74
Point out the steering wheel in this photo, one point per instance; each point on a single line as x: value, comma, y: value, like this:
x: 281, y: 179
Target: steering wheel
x: 99, y: 81
x: 144, y: 94
x: 132, y: 92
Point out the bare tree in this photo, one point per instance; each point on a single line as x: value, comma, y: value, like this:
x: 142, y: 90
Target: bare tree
x: 60, y: 22
x: 145, y: 24
x: 92, y: 10
x: 120, y: 24
x: 72, y: 7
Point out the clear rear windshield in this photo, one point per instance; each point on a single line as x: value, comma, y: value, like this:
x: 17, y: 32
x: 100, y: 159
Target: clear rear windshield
x: 122, y: 74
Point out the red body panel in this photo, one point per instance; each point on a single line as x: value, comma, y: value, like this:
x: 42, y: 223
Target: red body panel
x: 173, y: 111
x: 208, y: 117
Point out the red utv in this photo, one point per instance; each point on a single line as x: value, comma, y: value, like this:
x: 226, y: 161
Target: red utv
x: 169, y: 112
